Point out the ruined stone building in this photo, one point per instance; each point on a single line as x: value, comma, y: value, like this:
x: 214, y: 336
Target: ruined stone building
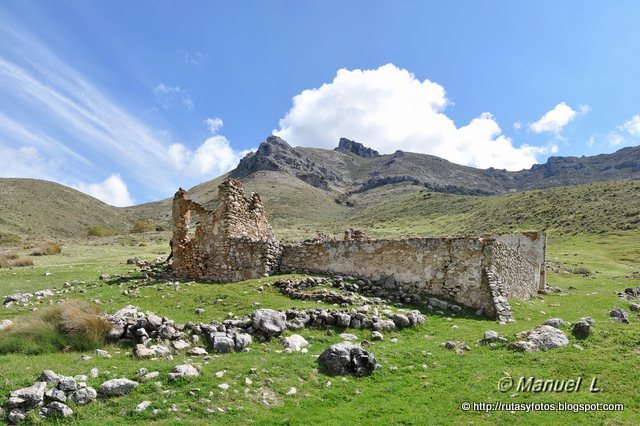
x: 235, y: 242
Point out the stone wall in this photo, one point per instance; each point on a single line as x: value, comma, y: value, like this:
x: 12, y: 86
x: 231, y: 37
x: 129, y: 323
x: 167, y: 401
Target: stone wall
x: 453, y: 268
x: 233, y: 243
x: 532, y: 245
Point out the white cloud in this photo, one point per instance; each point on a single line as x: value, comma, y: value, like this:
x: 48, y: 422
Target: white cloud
x: 214, y: 157
x: 23, y: 162
x: 590, y: 142
x: 190, y: 57
x: 517, y: 125
x: 389, y: 109
x: 555, y: 120
x: 214, y: 124
x: 112, y: 191
x: 167, y: 95
x: 615, y: 139
x: 632, y: 126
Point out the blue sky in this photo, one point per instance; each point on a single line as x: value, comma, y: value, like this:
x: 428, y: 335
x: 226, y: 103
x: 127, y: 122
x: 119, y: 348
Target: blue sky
x: 128, y: 100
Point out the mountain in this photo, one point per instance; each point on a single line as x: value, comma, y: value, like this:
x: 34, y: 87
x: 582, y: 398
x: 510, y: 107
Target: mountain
x: 309, y: 189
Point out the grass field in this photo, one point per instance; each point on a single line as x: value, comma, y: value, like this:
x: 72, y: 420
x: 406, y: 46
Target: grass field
x: 420, y: 382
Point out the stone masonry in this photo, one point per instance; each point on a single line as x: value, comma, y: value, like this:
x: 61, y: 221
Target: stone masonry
x: 235, y: 242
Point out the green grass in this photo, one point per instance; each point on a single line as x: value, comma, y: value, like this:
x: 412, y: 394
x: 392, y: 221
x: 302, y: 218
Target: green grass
x: 410, y: 394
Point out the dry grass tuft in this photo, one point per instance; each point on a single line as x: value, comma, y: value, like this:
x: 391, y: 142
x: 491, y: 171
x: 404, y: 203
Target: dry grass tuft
x: 46, y: 249
x: 14, y: 260
x: 75, y: 324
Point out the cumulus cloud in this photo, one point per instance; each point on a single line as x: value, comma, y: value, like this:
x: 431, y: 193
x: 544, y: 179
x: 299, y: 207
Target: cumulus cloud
x: 112, y: 191
x: 555, y: 120
x: 632, y: 126
x: 166, y: 95
x: 214, y: 157
x: 615, y: 139
x: 388, y: 109
x: 190, y: 57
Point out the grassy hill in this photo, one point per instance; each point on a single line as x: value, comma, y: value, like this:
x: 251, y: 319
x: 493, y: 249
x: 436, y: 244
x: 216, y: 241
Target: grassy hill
x: 297, y: 209
x: 37, y: 208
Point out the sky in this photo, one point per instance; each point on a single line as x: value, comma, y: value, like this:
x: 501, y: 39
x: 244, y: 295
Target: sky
x: 127, y: 101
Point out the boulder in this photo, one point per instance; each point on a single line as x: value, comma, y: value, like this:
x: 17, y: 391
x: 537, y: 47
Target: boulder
x: 270, y: 322
x: 376, y: 335
x: 400, y: 320
x: 620, y: 315
x: 117, y: 387
x: 555, y: 322
x: 184, y: 370
x: 29, y: 397
x: 83, y: 396
x: 198, y: 352
x: 523, y: 346
x: 54, y: 394
x: 56, y: 409
x: 49, y: 377
x: 347, y: 358
x: 547, y: 337
x: 581, y: 330
x: 294, y: 343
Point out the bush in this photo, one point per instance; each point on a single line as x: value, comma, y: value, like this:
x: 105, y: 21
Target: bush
x: 141, y: 226
x: 47, y: 249
x: 73, y: 325
x: 99, y: 231
x: 13, y: 260
x: 581, y: 270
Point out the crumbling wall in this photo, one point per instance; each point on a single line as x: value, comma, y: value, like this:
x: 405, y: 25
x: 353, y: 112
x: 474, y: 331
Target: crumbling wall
x: 448, y: 267
x: 233, y: 243
x: 532, y: 245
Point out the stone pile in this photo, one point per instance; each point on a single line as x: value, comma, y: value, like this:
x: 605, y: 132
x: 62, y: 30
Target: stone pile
x: 295, y: 288
x: 157, y: 337
x: 24, y: 299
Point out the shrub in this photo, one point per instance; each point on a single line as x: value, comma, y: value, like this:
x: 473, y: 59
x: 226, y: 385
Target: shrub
x: 47, y: 249
x: 99, y: 231
x: 581, y: 270
x: 141, y: 226
x: 76, y: 324
x: 13, y: 260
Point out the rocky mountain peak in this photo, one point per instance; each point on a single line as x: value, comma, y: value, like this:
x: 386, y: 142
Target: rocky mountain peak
x: 275, y: 154
x: 347, y: 145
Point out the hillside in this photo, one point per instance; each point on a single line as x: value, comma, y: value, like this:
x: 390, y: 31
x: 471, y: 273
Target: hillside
x: 307, y: 190
x: 45, y: 209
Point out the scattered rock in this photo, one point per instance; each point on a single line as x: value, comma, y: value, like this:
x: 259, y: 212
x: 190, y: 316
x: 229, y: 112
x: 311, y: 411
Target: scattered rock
x: 450, y: 345
x: 523, y: 346
x: 143, y: 406
x: 4, y: 324
x: 347, y: 358
x: 634, y: 307
x: 348, y: 337
x: 184, y: 370
x: 270, y: 322
x: 56, y: 409
x: 581, y: 330
x: 102, y: 353
x: 49, y: 377
x: 547, y: 337
x: 198, y: 352
x: 376, y: 335
x: 620, y: 315
x: 555, y: 322
x: 83, y: 396
x: 294, y: 343
x: 27, y: 398
x: 116, y: 387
